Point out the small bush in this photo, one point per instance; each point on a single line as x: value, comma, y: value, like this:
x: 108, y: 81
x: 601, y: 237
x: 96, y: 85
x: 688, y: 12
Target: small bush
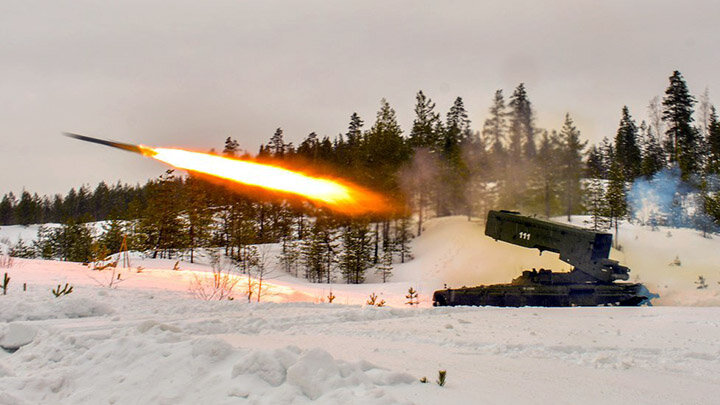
x: 6, y: 281
x: 57, y: 292
x: 412, y: 297
x: 372, y: 300
x: 441, y: 378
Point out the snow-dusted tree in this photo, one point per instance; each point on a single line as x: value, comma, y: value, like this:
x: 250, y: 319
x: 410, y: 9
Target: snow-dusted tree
x: 704, y: 110
x: 22, y: 250
x: 596, y: 204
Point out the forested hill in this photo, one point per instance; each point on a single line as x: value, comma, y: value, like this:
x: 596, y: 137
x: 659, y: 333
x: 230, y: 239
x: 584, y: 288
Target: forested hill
x: 443, y: 165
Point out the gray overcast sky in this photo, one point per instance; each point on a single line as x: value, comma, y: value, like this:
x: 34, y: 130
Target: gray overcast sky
x: 190, y: 73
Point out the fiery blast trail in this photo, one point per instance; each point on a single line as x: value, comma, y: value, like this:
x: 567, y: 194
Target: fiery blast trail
x: 338, y: 195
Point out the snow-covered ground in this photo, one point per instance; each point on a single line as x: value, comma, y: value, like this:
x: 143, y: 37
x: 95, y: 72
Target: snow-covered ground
x: 150, y: 341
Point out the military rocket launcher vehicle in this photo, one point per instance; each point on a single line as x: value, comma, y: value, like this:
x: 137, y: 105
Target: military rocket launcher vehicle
x: 591, y: 282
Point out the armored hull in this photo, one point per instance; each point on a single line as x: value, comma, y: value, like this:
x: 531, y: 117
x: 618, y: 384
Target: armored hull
x: 509, y: 295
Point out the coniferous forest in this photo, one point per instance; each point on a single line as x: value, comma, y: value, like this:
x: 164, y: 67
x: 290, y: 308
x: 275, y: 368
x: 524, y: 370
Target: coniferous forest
x: 442, y: 165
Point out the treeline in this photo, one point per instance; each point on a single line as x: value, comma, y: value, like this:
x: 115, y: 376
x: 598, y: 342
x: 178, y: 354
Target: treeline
x: 681, y: 135
x: 441, y: 166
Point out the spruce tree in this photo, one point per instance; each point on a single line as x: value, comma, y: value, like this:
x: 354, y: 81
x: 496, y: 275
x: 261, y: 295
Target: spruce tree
x: 26, y: 210
x: 385, y: 150
x: 713, y: 143
x: 597, y: 205
x: 626, y: 146
x: 653, y: 156
x: 7, y: 210
x: 616, y: 196
x: 455, y: 171
x: 682, y: 137
x: 595, y: 163
x: 112, y: 237
x: 161, y: 221
x: 314, y: 254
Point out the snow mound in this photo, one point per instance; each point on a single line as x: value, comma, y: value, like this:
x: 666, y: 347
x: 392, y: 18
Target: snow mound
x: 316, y: 374
x: 35, y: 308
x: 17, y: 335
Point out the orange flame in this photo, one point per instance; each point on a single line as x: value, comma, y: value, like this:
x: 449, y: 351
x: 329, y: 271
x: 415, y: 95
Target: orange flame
x: 338, y: 195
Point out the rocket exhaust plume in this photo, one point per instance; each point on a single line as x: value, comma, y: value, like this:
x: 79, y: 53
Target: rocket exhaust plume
x: 338, y: 195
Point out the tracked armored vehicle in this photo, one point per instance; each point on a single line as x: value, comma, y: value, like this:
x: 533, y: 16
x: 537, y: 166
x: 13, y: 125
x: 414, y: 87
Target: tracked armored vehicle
x: 592, y: 281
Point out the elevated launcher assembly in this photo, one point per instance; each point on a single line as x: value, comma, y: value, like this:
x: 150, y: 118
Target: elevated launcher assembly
x: 591, y: 282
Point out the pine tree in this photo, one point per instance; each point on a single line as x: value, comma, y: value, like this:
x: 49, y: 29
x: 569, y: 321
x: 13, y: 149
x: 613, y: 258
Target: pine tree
x: 571, y: 151
x: 626, y: 146
x: 356, y: 256
x: 197, y: 215
x: 495, y: 128
x: 423, y: 133
x: 277, y: 147
x: 682, y: 137
x: 522, y: 132
x: 231, y: 147
x: 547, y: 176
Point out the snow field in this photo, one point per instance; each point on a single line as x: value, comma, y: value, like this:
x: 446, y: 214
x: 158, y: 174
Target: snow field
x: 150, y: 341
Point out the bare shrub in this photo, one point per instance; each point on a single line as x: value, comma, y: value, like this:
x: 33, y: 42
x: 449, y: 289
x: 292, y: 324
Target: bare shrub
x: 6, y: 261
x: 218, y: 284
